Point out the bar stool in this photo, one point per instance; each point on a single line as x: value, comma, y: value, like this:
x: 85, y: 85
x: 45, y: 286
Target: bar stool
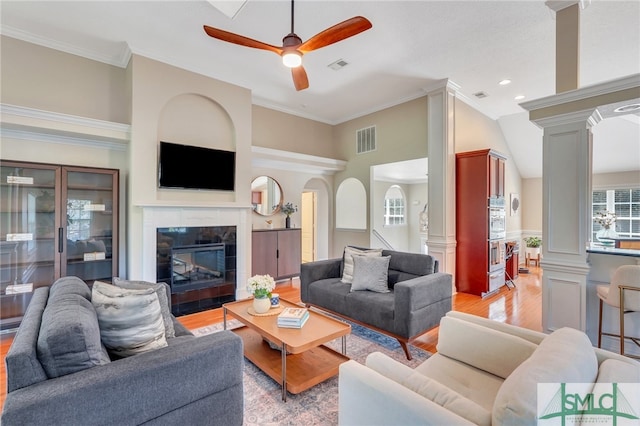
x: 623, y: 293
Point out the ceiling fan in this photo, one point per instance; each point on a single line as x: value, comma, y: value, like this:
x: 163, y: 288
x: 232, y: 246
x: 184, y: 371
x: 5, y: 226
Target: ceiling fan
x: 292, y: 46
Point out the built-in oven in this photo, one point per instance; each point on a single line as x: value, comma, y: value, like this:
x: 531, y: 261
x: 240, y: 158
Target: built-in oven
x: 496, y: 264
x: 497, y: 218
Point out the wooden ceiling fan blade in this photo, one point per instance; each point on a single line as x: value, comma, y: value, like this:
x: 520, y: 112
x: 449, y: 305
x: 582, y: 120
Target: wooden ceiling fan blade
x: 240, y: 40
x: 337, y: 33
x: 300, y: 79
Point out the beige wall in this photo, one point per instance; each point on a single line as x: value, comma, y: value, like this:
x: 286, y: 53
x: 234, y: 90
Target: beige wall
x: 286, y: 132
x: 37, y: 77
x: 401, y: 135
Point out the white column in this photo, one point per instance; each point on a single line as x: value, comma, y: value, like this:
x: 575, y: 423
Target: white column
x: 566, y: 180
x: 441, y: 183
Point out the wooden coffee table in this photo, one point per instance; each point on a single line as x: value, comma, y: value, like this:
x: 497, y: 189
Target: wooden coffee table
x: 303, y: 360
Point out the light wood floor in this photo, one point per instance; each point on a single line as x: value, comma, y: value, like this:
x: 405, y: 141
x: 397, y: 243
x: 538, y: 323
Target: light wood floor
x: 521, y: 306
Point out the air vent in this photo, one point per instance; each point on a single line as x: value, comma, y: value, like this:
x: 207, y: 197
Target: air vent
x: 480, y: 95
x: 366, y: 139
x: 339, y: 64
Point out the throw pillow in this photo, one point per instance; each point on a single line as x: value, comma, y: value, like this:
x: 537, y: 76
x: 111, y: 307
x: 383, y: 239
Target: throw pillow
x: 370, y: 273
x: 130, y: 320
x: 69, y: 337
x: 347, y: 272
x: 564, y: 356
x: 163, y: 297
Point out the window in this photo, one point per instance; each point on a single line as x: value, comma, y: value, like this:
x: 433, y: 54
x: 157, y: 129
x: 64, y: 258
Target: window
x: 394, y: 206
x: 78, y: 220
x: 625, y: 204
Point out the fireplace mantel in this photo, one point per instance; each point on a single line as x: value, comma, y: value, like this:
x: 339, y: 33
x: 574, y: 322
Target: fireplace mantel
x: 164, y: 216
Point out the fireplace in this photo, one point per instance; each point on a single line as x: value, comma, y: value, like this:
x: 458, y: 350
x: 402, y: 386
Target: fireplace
x: 199, y: 264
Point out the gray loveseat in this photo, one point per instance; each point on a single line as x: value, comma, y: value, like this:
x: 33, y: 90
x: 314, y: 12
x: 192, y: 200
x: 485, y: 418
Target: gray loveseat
x: 419, y: 295
x: 192, y: 381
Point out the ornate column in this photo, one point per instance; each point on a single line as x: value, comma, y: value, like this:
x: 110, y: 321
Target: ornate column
x: 566, y: 207
x: 441, y: 184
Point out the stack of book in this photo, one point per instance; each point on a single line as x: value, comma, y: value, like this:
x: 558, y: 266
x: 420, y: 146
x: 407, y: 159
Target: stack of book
x: 293, y: 317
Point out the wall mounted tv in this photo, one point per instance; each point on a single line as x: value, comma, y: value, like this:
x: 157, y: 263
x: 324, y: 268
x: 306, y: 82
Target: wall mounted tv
x: 193, y: 167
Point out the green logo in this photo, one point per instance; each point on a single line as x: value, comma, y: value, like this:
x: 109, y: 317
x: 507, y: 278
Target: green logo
x: 574, y: 403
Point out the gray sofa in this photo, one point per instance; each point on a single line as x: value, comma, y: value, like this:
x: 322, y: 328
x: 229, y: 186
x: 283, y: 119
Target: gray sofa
x: 419, y: 295
x: 194, y: 381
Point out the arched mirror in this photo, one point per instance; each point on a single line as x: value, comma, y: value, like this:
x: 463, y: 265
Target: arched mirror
x: 266, y: 195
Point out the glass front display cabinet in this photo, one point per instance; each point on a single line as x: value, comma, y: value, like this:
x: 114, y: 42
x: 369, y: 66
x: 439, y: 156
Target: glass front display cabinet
x: 54, y: 221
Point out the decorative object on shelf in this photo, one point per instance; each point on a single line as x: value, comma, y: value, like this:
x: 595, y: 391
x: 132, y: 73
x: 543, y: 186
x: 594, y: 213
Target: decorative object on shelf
x: 261, y: 286
x: 606, y: 235
x: 288, y: 209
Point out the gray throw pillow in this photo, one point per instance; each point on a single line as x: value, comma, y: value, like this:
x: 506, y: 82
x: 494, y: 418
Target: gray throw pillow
x: 69, y: 338
x: 370, y: 273
x: 349, y: 252
x: 163, y: 298
x: 130, y: 320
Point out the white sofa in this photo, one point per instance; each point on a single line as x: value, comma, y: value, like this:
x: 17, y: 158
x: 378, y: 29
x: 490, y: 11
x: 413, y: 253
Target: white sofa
x: 485, y: 372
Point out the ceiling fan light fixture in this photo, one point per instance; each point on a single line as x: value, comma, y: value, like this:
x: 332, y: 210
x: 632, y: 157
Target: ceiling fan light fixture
x: 292, y: 59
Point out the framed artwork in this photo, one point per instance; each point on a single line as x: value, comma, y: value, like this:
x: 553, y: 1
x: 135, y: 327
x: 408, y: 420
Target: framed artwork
x: 515, y: 204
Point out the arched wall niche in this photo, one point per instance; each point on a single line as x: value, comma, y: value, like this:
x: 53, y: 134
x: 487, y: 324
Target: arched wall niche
x: 193, y: 119
x: 351, y: 205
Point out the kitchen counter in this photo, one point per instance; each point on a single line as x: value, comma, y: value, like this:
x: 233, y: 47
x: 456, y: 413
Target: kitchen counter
x: 600, y: 249
x: 603, y: 261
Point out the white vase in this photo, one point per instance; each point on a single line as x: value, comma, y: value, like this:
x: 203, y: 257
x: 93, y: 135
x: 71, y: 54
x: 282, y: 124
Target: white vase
x: 607, y: 236
x: 261, y: 305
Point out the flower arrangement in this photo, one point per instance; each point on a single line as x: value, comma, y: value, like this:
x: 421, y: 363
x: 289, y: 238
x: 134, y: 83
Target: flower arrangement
x: 605, y: 218
x: 289, y: 209
x: 261, y: 286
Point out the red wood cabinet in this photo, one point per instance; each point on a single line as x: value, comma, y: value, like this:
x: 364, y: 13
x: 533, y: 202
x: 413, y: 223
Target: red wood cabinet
x: 479, y: 175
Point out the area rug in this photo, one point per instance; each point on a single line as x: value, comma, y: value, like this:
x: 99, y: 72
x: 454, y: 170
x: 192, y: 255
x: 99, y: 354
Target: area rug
x: 263, y: 403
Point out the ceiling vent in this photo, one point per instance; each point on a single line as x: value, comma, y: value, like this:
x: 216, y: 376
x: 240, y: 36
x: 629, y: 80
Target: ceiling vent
x: 338, y: 65
x: 480, y: 95
x: 366, y: 140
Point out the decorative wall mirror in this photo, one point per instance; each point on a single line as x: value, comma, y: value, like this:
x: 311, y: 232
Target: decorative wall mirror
x: 266, y: 195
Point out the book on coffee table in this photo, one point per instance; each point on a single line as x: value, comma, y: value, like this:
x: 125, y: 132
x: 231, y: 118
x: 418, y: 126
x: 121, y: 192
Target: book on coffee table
x: 293, y: 317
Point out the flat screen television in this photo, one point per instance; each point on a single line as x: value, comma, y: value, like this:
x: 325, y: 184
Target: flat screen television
x: 193, y: 167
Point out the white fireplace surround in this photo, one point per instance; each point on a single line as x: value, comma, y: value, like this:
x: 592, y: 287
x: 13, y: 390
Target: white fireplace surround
x: 154, y: 217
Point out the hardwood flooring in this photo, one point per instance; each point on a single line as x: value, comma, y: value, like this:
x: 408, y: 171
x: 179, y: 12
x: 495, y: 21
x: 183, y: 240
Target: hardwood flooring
x: 521, y: 306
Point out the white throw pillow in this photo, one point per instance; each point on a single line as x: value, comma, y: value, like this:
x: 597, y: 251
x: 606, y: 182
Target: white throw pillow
x: 347, y: 272
x: 565, y: 356
x: 161, y: 291
x: 370, y: 273
x: 130, y: 320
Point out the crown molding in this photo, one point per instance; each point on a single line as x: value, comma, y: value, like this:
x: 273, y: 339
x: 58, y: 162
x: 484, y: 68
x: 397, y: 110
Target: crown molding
x: 624, y: 83
x: 58, y: 137
x: 121, y: 59
x: 53, y: 127
x: 293, y: 161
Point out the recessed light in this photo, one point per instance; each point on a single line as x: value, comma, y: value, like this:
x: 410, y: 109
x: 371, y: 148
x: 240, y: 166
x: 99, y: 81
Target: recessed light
x: 519, y: 97
x: 627, y: 108
x: 504, y: 82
